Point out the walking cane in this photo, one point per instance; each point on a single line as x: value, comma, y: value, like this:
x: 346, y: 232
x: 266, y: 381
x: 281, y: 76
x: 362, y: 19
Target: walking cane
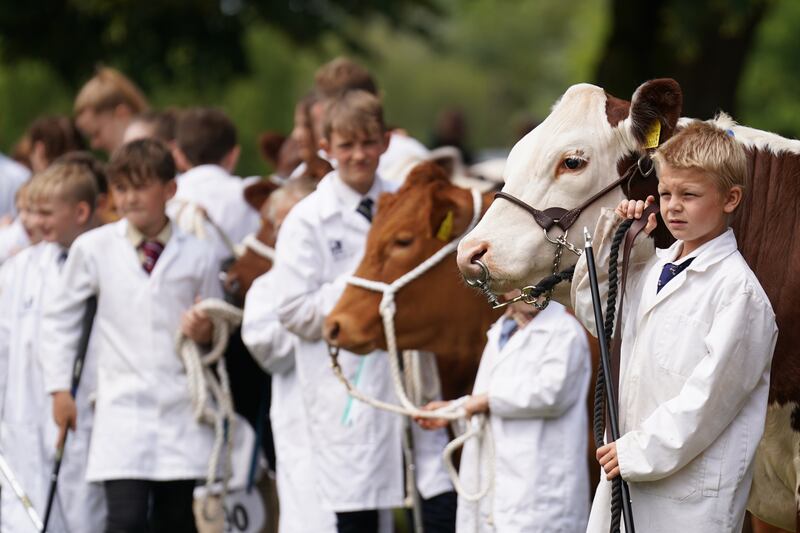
x: 5, y: 469
x: 605, y: 364
x: 77, y: 369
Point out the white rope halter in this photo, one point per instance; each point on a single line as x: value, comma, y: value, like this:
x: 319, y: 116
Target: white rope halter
x: 453, y: 411
x: 252, y: 243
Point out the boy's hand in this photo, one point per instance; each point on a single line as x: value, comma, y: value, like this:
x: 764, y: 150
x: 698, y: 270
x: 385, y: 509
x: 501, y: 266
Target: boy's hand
x: 196, y: 325
x: 432, y: 423
x: 478, y: 403
x: 65, y: 414
x: 635, y: 208
x: 607, y: 457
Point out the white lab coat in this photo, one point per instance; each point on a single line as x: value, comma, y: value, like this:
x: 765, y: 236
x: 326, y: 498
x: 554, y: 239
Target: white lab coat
x: 694, y: 376
x: 272, y: 346
x: 222, y: 196
x: 537, y: 385
x: 12, y: 176
x: 28, y: 434
x: 357, y: 448
x: 144, y: 427
x: 13, y: 238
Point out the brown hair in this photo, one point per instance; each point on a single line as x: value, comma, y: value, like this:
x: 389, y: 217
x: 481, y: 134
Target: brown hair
x: 106, y: 90
x: 341, y: 75
x: 706, y: 148
x: 140, y: 161
x: 96, y: 167
x: 163, y: 123
x: 205, y: 135
x: 352, y: 113
x: 69, y: 181
x: 58, y: 134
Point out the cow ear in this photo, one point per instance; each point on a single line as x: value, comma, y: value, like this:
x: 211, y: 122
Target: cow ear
x: 425, y: 172
x: 257, y: 193
x: 655, y: 109
x: 269, y: 146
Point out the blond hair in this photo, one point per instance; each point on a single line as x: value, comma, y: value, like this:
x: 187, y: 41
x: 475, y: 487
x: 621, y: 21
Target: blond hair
x: 108, y: 89
x: 706, y: 148
x: 353, y: 113
x: 290, y: 193
x: 341, y: 75
x: 72, y: 182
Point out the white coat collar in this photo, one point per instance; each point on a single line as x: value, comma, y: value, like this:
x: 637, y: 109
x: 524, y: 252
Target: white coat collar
x: 171, y: 248
x: 337, y: 197
x: 705, y: 256
x: 542, y: 322
x: 204, y: 173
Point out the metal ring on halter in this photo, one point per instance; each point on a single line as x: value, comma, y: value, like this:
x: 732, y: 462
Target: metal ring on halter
x: 484, y: 279
x: 642, y: 172
x: 561, y: 240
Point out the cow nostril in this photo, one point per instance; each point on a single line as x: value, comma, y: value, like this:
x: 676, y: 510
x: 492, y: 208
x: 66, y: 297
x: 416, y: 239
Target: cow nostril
x: 477, y: 254
x: 333, y: 331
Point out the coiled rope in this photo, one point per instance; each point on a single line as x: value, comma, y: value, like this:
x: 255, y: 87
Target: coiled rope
x: 209, y: 387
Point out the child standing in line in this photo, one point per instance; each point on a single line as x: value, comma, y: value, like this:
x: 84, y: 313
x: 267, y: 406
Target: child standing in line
x: 146, y: 448
x: 697, y: 342
x: 65, y: 196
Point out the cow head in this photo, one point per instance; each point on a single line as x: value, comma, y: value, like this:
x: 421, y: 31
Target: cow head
x: 436, y: 312
x: 241, y: 274
x: 589, y: 139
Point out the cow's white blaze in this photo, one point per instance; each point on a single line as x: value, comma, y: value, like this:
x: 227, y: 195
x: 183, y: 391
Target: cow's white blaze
x: 518, y: 253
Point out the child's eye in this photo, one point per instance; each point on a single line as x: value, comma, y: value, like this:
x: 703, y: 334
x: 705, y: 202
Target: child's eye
x: 663, y: 194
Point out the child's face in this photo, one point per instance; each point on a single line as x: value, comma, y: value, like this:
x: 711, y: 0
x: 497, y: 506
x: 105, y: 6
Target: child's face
x: 144, y: 205
x: 694, y: 208
x: 103, y: 129
x: 31, y: 220
x: 302, y: 133
x: 357, y: 156
x: 62, y: 220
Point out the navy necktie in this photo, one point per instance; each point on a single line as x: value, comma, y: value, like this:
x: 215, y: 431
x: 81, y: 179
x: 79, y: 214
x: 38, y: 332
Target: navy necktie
x: 365, y: 208
x: 507, y: 329
x: 671, y: 270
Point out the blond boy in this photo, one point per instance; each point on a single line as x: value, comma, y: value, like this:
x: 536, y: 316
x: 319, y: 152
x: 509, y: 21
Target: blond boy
x: 697, y: 342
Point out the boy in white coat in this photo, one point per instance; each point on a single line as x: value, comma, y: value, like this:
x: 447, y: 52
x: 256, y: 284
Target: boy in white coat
x: 273, y: 347
x: 532, y: 383
x: 697, y: 341
x: 65, y: 196
x: 208, y: 151
x: 357, y: 449
x: 146, y: 447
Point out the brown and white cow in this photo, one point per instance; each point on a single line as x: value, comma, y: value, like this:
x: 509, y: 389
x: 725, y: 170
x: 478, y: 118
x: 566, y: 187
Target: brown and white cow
x: 607, y: 134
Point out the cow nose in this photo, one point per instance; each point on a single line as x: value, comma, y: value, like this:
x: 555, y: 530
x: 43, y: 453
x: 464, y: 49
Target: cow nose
x: 468, y: 257
x: 331, y: 331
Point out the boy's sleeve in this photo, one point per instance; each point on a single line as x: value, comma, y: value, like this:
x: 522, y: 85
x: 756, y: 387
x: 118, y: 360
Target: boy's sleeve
x: 740, y: 346
x: 5, y: 328
x: 544, y: 384
x: 304, y: 298
x: 581, y: 294
x: 62, y: 319
x: 270, y: 344
x: 211, y: 286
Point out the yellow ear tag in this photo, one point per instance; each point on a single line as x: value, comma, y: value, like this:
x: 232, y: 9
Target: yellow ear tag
x: 446, y: 229
x: 653, y: 135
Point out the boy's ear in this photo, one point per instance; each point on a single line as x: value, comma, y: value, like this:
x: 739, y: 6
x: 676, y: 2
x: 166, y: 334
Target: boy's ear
x: 122, y: 111
x: 182, y: 164
x: 732, y: 199
x: 387, y: 138
x: 171, y: 188
x: 83, y: 212
x: 231, y: 159
x: 324, y: 145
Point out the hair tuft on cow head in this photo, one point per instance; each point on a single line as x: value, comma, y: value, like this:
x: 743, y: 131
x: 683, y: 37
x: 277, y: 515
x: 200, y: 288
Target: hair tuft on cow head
x: 660, y: 99
x: 425, y: 172
x: 257, y: 193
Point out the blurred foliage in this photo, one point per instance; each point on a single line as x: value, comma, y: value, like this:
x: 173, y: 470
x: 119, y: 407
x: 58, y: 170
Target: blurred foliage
x: 501, y: 63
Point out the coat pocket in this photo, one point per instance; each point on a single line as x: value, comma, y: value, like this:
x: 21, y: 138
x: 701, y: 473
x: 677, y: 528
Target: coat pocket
x: 680, y: 344
x: 679, y: 486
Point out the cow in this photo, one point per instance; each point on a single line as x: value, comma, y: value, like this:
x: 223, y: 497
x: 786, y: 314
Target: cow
x: 437, y: 312
x: 591, y: 138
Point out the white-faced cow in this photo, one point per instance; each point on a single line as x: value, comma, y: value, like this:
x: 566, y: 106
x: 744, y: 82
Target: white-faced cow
x: 588, y: 140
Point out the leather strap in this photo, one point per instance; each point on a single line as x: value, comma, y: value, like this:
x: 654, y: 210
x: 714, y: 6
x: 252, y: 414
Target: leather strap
x: 616, y: 343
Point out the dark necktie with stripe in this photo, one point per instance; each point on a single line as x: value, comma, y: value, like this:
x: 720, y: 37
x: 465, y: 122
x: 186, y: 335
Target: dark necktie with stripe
x: 152, y: 251
x: 671, y: 270
x: 365, y: 208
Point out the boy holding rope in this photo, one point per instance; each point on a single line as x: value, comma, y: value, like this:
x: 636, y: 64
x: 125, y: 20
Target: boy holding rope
x: 357, y: 449
x: 146, y: 446
x: 697, y: 340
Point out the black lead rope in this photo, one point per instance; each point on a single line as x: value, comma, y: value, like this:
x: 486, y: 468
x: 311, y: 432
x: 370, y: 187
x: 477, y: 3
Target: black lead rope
x: 599, y: 418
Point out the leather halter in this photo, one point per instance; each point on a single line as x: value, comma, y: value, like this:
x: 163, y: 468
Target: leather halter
x: 565, y: 218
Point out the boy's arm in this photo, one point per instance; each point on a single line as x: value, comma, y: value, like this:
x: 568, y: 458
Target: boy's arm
x: 5, y: 329
x: 643, y: 250
x: 62, y: 319
x: 740, y: 346
x: 270, y: 344
x: 544, y: 385
x: 304, y: 299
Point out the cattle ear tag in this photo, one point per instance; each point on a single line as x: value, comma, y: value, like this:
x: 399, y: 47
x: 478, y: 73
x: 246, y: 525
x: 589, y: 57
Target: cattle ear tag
x: 653, y: 135
x: 446, y: 228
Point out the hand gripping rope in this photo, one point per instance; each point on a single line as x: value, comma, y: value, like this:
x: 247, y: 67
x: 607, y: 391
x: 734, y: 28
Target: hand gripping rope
x: 216, y: 410
x: 453, y: 411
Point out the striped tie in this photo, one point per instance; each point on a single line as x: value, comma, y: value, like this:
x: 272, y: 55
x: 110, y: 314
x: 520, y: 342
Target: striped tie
x: 365, y: 208
x: 151, y: 250
x: 669, y: 271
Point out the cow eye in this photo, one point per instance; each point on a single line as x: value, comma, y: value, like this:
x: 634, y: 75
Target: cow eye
x: 573, y: 163
x: 403, y: 240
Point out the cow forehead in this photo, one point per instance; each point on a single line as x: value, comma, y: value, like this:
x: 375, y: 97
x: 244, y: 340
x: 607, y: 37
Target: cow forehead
x: 577, y: 122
